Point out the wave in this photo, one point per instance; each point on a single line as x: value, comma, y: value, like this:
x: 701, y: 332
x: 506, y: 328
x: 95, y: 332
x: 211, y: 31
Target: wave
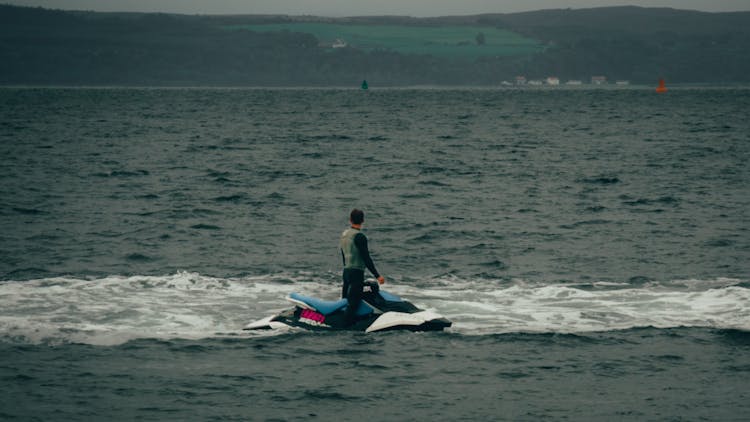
x: 116, y: 309
x: 593, y: 307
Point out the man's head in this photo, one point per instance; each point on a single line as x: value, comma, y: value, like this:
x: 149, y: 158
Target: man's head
x: 357, y: 217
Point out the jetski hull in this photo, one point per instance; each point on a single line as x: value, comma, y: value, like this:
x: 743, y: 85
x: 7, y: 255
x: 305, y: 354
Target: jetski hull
x: 380, y: 311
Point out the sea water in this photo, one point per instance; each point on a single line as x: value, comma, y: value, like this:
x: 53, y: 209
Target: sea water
x: 591, y: 247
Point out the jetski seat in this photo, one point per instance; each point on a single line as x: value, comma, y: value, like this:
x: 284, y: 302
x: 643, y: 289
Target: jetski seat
x: 327, y: 307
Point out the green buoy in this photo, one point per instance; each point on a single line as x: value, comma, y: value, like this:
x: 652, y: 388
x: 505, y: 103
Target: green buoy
x: 364, y: 84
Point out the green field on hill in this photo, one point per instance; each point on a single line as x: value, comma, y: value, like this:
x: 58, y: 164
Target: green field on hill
x: 439, y: 41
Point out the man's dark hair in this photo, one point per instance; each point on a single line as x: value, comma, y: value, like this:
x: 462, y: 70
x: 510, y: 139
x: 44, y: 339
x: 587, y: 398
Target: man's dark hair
x: 357, y: 216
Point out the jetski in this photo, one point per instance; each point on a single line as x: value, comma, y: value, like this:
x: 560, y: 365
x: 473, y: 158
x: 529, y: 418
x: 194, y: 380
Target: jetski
x: 378, y: 311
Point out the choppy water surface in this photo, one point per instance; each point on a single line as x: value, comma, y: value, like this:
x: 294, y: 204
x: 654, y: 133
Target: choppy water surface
x: 591, y: 247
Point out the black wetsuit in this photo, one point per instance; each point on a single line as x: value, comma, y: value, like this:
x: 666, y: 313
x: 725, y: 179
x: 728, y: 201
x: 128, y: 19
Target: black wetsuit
x: 354, y: 278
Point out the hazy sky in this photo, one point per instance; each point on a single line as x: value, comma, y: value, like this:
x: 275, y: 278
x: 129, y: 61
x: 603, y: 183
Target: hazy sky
x: 367, y: 7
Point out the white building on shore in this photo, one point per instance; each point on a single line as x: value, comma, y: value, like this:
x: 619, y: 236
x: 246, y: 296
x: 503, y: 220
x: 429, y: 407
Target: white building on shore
x: 598, y: 80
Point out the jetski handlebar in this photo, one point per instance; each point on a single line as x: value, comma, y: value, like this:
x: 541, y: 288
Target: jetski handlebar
x: 374, y: 286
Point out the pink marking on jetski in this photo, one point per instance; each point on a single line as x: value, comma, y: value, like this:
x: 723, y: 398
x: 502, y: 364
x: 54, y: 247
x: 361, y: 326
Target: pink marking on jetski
x: 312, y: 315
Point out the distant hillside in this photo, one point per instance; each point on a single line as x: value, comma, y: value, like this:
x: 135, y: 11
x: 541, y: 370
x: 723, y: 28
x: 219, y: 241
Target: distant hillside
x: 637, y: 43
x: 445, y: 41
x: 49, y: 47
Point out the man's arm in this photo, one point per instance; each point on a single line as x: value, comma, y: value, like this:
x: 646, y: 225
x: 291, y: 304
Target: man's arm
x: 361, y: 242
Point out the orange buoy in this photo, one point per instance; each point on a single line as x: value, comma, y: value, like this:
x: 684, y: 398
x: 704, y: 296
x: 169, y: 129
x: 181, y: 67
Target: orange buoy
x: 661, y: 88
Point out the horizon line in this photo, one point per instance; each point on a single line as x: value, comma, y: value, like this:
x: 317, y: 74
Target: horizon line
x: 356, y: 16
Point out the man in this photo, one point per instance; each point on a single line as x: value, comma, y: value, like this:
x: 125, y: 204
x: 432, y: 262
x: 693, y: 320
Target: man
x: 356, y: 258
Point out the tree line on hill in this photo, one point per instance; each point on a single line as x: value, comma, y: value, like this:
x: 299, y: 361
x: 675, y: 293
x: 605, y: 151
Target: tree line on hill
x: 51, y: 47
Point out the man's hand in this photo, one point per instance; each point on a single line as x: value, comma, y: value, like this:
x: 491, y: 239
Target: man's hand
x: 381, y: 280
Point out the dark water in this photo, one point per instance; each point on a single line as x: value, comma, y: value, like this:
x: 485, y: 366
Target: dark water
x: 590, y: 245
x: 678, y: 374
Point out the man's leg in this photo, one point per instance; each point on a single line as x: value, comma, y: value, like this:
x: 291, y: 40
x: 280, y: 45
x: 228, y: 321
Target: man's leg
x: 345, y: 285
x: 353, y: 295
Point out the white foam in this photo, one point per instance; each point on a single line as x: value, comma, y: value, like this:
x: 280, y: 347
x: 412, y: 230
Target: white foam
x: 561, y: 308
x: 115, y: 309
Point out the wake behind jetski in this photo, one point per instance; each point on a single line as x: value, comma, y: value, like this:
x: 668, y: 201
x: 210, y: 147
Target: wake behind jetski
x: 378, y: 311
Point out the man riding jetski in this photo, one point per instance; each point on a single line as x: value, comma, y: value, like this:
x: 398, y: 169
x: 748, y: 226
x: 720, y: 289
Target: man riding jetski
x: 363, y: 307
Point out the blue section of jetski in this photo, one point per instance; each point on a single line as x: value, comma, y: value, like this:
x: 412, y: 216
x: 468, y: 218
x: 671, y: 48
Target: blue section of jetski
x: 327, y: 307
x: 390, y: 297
